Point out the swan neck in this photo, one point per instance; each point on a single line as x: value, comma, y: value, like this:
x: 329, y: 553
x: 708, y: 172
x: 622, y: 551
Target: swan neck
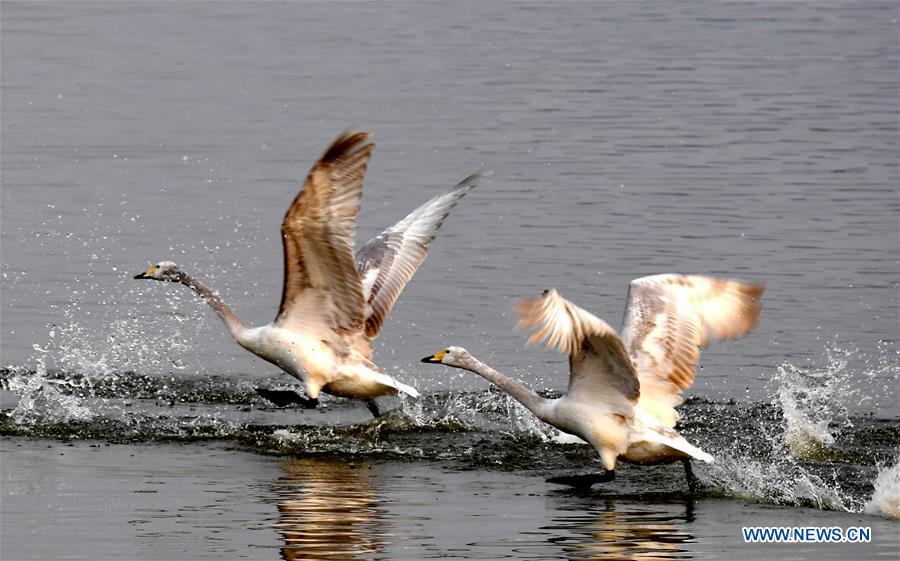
x: 535, y: 403
x: 235, y: 326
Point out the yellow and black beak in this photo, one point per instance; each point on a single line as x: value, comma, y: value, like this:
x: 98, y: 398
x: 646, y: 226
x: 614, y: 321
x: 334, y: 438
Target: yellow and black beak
x: 435, y: 358
x: 148, y: 274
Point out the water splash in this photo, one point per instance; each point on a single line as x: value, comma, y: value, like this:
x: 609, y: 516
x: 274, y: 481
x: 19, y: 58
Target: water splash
x: 75, y: 361
x: 491, y: 409
x: 803, y: 449
x: 779, y: 481
x: 125, y: 344
x: 814, y: 403
x: 886, y: 495
x: 42, y: 399
x: 484, y: 429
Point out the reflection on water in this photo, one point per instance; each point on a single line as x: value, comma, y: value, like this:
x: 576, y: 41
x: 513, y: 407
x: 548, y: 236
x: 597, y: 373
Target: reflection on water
x: 327, y: 510
x: 623, y: 531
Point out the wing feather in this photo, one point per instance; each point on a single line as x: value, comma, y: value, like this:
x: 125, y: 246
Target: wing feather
x: 600, y: 368
x: 388, y: 261
x: 318, y: 235
x: 669, y: 318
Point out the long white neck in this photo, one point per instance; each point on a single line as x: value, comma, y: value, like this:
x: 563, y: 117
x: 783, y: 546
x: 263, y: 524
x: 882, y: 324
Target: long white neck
x: 234, y: 324
x: 536, y: 404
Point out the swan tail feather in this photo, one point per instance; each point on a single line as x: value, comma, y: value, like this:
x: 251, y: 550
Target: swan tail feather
x: 408, y: 390
x: 674, y: 440
x: 389, y: 380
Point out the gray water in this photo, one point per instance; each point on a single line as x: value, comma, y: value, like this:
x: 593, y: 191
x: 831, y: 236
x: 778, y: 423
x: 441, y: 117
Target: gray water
x: 259, y: 507
x: 758, y: 141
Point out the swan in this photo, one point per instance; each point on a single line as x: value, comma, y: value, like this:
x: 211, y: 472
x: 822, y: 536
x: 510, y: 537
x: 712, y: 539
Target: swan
x: 332, y: 307
x: 623, y: 390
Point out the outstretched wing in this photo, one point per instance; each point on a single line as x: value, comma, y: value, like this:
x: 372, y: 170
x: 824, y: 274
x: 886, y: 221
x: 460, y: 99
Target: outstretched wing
x: 387, y: 262
x: 669, y: 318
x: 600, y: 369
x: 318, y: 231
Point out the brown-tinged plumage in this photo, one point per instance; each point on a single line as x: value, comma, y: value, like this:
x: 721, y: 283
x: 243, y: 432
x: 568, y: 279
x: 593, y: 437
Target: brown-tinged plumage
x: 669, y: 318
x: 318, y: 232
x: 332, y: 305
x: 599, y: 366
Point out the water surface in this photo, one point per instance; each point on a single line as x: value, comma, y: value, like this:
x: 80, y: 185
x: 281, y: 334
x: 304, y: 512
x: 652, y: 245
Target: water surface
x: 235, y: 505
x: 751, y: 140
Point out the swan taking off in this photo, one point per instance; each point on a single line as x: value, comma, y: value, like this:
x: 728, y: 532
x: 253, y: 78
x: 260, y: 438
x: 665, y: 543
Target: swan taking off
x: 332, y: 306
x: 623, y: 390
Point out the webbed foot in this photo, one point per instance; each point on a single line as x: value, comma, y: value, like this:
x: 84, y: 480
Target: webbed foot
x: 373, y: 408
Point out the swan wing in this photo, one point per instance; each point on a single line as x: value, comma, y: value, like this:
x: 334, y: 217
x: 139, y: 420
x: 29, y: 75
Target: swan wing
x: 318, y: 231
x: 600, y: 368
x: 387, y: 262
x: 668, y: 319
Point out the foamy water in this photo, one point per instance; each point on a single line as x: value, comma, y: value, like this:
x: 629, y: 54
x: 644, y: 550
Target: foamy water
x: 795, y: 450
x: 886, y: 495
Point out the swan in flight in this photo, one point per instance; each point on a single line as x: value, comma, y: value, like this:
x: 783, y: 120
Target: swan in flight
x: 332, y: 306
x: 623, y: 390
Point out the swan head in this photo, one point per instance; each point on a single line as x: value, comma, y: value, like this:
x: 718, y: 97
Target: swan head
x: 162, y: 271
x: 451, y: 356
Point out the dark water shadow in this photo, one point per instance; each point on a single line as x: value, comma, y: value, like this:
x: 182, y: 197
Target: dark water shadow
x: 595, y: 528
x: 328, y: 510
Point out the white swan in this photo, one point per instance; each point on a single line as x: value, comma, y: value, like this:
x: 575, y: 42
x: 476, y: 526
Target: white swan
x: 623, y: 391
x: 332, y: 307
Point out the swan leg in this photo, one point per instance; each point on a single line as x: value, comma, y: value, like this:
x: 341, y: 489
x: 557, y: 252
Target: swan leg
x: 283, y: 398
x: 693, y: 482
x: 373, y: 408
x: 584, y: 481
